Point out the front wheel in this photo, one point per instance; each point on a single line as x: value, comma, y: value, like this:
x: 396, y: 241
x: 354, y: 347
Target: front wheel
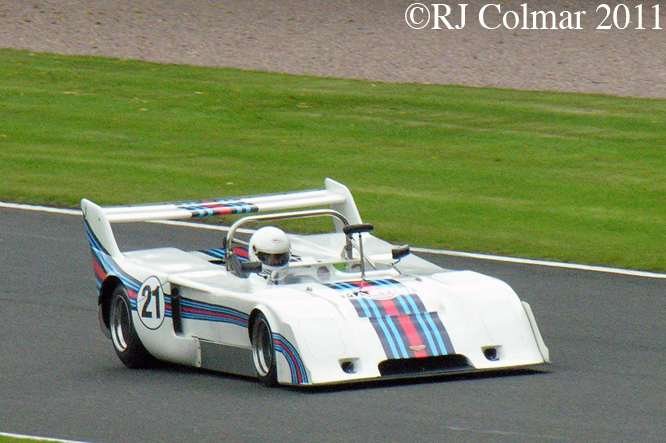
x: 125, y: 340
x: 263, y: 351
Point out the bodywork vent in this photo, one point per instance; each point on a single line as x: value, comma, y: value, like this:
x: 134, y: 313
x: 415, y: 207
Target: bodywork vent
x: 427, y: 365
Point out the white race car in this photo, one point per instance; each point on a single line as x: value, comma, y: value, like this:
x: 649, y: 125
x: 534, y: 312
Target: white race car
x: 300, y: 309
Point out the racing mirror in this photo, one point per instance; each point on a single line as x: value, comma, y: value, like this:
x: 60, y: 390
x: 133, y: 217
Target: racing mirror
x: 400, y: 252
x: 349, y: 231
x: 357, y: 229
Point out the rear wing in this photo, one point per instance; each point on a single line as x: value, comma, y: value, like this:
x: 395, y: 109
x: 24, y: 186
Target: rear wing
x: 98, y: 219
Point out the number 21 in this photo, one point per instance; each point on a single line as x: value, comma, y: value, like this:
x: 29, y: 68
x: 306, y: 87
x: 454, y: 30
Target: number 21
x: 150, y: 296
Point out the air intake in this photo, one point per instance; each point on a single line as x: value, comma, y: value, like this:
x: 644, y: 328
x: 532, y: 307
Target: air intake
x: 416, y: 366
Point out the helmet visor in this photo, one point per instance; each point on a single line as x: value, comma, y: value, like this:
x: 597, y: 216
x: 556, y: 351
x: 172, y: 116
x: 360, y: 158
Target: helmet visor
x: 274, y: 259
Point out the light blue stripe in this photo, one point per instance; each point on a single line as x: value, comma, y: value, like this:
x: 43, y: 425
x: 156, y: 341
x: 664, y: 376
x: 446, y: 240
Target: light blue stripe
x: 214, y: 308
x: 291, y: 353
x: 398, y: 337
x: 430, y: 335
x: 366, y: 311
x: 294, y: 374
x: 345, y: 285
x: 387, y: 333
x: 424, y: 326
x: 110, y: 267
x: 298, y: 361
x: 438, y: 335
x: 404, y: 299
x: 381, y: 282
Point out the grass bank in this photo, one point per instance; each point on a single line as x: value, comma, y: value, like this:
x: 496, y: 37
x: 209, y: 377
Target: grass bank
x: 569, y: 177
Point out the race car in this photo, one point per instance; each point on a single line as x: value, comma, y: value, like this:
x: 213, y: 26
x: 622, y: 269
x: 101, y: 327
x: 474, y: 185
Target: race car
x: 323, y: 308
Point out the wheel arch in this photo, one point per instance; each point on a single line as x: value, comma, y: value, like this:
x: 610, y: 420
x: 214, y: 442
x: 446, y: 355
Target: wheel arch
x: 104, y: 302
x: 290, y: 367
x: 252, y: 320
x: 266, y: 369
x: 273, y: 320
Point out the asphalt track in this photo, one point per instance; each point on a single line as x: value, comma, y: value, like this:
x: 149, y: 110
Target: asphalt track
x: 60, y: 377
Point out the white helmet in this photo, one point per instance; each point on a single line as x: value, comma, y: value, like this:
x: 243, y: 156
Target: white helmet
x: 270, y: 246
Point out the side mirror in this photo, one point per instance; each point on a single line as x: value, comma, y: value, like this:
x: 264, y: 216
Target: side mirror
x: 350, y: 230
x: 400, y: 252
x: 251, y: 266
x: 357, y: 229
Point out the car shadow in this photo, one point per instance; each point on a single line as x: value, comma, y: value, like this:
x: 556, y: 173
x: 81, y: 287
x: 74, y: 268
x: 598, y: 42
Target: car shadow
x: 379, y: 383
x: 418, y: 380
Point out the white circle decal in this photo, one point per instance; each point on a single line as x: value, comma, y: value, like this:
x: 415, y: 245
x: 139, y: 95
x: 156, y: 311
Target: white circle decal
x: 150, y: 303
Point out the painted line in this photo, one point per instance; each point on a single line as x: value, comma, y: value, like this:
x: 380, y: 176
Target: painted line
x: 499, y: 258
x: 33, y: 438
x: 77, y: 212
x: 527, y: 261
x: 533, y: 437
x: 40, y: 208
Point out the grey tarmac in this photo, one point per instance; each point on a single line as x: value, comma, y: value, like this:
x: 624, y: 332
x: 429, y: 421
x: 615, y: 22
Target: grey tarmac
x: 61, y: 377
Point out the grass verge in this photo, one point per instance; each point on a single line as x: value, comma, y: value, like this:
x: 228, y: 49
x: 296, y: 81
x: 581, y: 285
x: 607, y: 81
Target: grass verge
x: 568, y: 177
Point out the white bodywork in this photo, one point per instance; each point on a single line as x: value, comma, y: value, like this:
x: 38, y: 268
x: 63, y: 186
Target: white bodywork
x: 330, y: 324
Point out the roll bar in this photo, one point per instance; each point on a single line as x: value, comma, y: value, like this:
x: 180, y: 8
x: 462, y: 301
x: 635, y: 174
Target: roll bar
x: 275, y: 217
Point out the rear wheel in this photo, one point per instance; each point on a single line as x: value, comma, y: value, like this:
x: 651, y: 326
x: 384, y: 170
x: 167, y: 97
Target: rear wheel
x: 125, y: 340
x: 263, y: 351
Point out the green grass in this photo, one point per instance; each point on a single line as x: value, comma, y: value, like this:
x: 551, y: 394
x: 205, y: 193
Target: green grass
x: 569, y: 177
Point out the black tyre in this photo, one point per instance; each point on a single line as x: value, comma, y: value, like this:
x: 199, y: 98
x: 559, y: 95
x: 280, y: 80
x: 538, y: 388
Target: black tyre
x: 263, y: 351
x: 125, y: 340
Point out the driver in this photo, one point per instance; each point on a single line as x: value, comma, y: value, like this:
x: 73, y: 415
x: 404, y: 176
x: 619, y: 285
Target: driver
x: 270, y: 246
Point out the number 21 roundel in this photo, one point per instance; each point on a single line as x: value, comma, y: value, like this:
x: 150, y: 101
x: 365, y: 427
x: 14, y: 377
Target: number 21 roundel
x: 150, y: 303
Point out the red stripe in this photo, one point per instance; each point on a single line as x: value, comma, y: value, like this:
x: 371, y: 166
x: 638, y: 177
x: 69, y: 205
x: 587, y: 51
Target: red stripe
x: 222, y: 210
x: 412, y: 334
x: 241, y: 252
x: 292, y: 357
x: 390, y: 308
x: 212, y: 314
x: 99, y: 271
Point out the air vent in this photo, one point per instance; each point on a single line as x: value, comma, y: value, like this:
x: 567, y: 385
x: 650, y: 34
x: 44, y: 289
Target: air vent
x: 414, y: 366
x: 491, y: 353
x: 348, y: 367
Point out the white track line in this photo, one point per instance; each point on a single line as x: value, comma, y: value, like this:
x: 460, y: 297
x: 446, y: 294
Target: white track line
x: 40, y: 208
x: 33, y: 438
x: 527, y: 261
x: 499, y: 258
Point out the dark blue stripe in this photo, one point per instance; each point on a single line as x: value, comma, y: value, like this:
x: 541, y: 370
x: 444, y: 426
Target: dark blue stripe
x: 390, y: 332
x: 231, y: 316
x: 296, y: 366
